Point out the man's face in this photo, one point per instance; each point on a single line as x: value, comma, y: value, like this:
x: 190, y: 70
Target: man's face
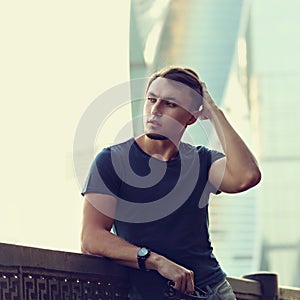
x: 168, y: 108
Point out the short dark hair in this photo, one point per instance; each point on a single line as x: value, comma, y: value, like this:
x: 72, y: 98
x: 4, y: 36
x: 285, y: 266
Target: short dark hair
x: 184, y: 75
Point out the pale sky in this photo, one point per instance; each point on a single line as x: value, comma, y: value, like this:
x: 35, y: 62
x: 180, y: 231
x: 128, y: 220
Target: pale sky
x: 56, y: 58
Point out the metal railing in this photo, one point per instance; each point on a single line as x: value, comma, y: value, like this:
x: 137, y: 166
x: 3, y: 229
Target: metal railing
x: 32, y: 273
x: 40, y: 274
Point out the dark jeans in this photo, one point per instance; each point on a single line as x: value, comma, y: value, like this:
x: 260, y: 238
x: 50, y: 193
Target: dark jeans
x: 220, y: 291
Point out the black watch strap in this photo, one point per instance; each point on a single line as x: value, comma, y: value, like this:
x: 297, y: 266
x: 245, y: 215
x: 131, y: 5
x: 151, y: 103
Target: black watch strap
x: 142, y: 254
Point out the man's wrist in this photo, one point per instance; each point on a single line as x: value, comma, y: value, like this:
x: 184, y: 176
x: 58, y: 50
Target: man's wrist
x: 154, y: 261
x: 142, y: 255
x: 214, y: 111
x: 215, y: 114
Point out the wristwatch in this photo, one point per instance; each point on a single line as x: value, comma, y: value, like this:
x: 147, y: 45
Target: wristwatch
x: 142, y: 255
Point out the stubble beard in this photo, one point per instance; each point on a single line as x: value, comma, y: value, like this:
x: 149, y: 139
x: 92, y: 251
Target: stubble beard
x: 156, y: 136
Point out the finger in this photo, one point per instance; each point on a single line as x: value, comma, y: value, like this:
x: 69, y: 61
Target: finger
x: 204, y: 87
x: 181, y: 283
x: 190, y: 287
x: 189, y: 283
x: 178, y: 285
x: 202, y: 116
x: 184, y: 284
x: 202, y: 82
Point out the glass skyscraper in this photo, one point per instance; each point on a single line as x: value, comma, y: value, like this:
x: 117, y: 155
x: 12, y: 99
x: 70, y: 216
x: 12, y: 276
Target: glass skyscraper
x: 247, y: 53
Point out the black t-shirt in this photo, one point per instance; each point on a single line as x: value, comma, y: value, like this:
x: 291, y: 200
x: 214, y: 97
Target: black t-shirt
x: 161, y: 205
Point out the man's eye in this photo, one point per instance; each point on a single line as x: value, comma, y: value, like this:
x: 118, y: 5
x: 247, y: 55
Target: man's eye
x: 151, y: 99
x: 171, y: 104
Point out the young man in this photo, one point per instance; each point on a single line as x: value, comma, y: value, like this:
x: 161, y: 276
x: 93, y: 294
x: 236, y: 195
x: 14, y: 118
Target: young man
x: 154, y: 190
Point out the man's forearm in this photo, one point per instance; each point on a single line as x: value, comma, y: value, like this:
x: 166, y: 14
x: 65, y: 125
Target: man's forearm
x: 104, y: 243
x: 109, y: 245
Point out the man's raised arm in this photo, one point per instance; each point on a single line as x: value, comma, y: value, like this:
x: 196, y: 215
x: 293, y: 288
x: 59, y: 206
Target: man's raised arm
x: 238, y: 170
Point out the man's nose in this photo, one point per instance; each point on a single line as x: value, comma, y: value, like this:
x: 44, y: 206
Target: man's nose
x: 156, y: 108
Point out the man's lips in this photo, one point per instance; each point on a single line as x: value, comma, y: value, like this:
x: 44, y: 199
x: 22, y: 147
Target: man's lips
x: 153, y: 122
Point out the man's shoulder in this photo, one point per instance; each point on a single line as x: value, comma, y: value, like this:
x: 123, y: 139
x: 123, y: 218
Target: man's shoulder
x: 188, y: 148
x: 119, y: 148
x: 123, y: 145
x: 203, y: 152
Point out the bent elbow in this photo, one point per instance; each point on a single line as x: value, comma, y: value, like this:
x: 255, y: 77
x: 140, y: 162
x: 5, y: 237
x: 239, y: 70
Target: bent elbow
x: 94, y: 242
x: 250, y: 180
x: 85, y: 245
x: 88, y: 247
x: 255, y: 177
x: 88, y: 244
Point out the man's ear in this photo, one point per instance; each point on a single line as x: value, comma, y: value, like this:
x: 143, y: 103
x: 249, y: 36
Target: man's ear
x: 194, y: 116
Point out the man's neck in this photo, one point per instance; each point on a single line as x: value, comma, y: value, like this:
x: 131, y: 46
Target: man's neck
x: 162, y: 149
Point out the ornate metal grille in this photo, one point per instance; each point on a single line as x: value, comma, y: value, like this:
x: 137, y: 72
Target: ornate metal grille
x: 41, y: 284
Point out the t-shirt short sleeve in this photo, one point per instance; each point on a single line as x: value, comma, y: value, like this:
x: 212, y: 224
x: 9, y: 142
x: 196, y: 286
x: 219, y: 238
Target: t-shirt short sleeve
x: 209, y: 157
x: 102, y: 177
x: 214, y: 156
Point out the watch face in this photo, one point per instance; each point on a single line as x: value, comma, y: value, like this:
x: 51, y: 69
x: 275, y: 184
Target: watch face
x: 143, y: 252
